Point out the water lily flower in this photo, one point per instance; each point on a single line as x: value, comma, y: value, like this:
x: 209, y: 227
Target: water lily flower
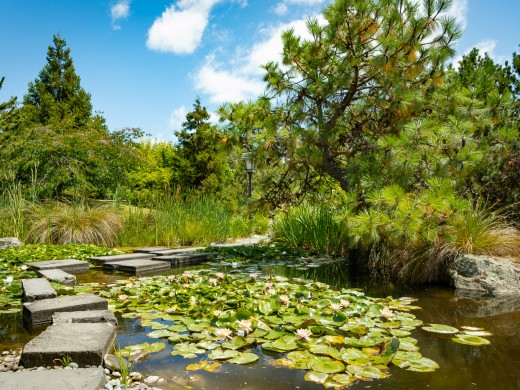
x: 217, y: 313
x: 304, y: 333
x: 268, y: 285
x: 224, y: 333
x: 186, y: 275
x: 24, y: 267
x: 122, y: 297
x: 387, y: 313
x: 171, y: 295
x: 8, y: 280
x: 213, y: 281
x: 285, y: 300
x: 129, y: 285
x: 336, y: 306
x: 171, y: 278
x: 253, y: 276
x: 220, y: 275
x: 344, y: 302
x: 245, y: 325
x: 271, y: 291
x: 186, y: 285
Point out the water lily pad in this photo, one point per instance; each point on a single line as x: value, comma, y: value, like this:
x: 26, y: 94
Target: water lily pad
x: 479, y: 333
x: 471, y: 340
x: 317, y: 377
x: 422, y: 364
x: 343, y: 379
x: 203, y: 365
x: 159, y: 334
x: 236, y: 342
x: 222, y: 354
x: 327, y: 365
x: 286, y: 343
x: 363, y: 372
x: 439, y: 328
x: 187, y: 350
x: 244, y: 358
x: 321, y: 349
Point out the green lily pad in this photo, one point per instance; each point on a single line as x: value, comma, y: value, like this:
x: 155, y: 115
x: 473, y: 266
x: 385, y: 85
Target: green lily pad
x: 321, y: 349
x: 187, y: 350
x: 471, y: 340
x: 439, y: 328
x: 222, y: 354
x: 244, y: 358
x: 236, y: 342
x: 159, y: 334
x: 344, y: 379
x: 327, y: 365
x: 286, y: 343
x: 362, y: 372
x: 317, y: 377
x: 422, y: 365
x: 203, y: 365
x: 479, y: 333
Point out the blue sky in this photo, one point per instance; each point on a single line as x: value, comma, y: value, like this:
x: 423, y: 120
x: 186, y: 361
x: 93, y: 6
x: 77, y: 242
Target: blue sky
x: 145, y: 61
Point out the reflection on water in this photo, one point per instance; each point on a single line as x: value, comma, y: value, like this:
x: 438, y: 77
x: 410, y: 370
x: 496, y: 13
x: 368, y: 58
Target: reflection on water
x: 496, y: 366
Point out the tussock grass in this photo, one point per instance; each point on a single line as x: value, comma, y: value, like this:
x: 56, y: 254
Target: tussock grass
x: 314, y: 228
x: 73, y: 223
x: 12, y: 212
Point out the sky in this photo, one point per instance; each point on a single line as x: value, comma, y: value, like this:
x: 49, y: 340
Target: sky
x: 144, y: 62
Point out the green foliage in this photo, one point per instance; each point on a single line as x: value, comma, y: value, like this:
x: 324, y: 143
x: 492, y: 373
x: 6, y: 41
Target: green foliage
x: 313, y: 228
x: 12, y: 211
x: 182, y: 220
x: 73, y: 223
x: 64, y: 361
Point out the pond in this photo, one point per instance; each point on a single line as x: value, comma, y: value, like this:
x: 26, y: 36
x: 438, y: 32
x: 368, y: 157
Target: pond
x: 494, y: 366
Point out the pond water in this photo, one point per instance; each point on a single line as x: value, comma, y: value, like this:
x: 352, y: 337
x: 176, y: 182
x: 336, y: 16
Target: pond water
x: 495, y: 366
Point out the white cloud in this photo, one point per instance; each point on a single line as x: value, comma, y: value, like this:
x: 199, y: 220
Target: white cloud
x: 242, y: 79
x: 486, y: 46
x: 282, y: 7
x: 180, y: 27
x: 459, y: 10
x: 177, y: 118
x: 120, y: 10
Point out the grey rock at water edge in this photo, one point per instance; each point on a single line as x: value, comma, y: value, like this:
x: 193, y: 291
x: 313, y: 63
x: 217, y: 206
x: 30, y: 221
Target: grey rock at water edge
x: 486, y: 275
x: 10, y: 242
x: 78, y: 379
x: 112, y: 362
x: 89, y: 316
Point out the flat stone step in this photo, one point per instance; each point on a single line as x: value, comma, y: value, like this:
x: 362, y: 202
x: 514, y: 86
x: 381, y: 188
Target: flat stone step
x: 77, y: 379
x: 85, y: 317
x: 150, y: 249
x: 85, y: 344
x: 169, y: 252
x: 138, y: 267
x: 40, y: 312
x: 184, y: 258
x: 58, y: 276
x: 68, y: 265
x: 37, y: 289
x: 100, y: 260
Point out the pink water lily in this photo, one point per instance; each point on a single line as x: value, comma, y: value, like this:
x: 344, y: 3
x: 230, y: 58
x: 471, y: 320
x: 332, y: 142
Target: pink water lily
x: 387, y: 313
x: 304, y: 333
x: 213, y: 281
x: 336, y: 306
x: 220, y: 275
x: 344, y: 302
x: 285, y: 300
x: 171, y: 278
x: 224, y: 333
x: 122, y: 297
x: 268, y: 285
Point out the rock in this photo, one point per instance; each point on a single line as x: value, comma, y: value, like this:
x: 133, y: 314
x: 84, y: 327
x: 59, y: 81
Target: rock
x: 136, y: 376
x: 486, y: 275
x: 89, y: 316
x: 73, y: 365
x: 83, y: 378
x: 116, y: 374
x: 139, y: 356
x: 37, y: 289
x: 10, y: 242
x: 58, y: 276
x: 112, y: 362
x: 151, y: 380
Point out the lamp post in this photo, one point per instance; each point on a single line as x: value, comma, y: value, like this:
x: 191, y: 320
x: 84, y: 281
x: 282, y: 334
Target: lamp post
x: 250, y: 168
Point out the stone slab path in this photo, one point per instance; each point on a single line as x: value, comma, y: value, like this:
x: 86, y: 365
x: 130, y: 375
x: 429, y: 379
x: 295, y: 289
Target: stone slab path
x: 85, y: 344
x: 58, y: 276
x: 181, y: 259
x: 100, y: 260
x: 78, y: 379
x: 37, y: 289
x: 138, y: 267
x: 89, y: 316
x: 68, y: 265
x: 40, y: 312
x: 149, y: 249
x: 168, y: 252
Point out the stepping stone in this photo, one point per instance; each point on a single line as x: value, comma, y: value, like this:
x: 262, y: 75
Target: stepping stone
x: 150, y: 249
x: 89, y: 316
x: 85, y: 344
x: 77, y: 379
x: 169, y: 252
x: 68, y: 265
x: 139, y: 267
x: 184, y: 258
x: 100, y: 260
x: 40, y: 312
x: 58, y: 276
x: 37, y: 289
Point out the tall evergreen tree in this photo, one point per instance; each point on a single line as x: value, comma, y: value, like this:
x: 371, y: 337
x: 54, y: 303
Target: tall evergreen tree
x: 56, y: 95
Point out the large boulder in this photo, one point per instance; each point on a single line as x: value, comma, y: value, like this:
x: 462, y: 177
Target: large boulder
x: 9, y: 242
x: 486, y: 275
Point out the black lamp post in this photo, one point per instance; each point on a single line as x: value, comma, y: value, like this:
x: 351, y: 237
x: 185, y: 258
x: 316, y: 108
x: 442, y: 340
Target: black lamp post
x: 250, y: 168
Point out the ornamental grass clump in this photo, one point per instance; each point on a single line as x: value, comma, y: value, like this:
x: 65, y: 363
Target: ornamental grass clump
x: 75, y: 222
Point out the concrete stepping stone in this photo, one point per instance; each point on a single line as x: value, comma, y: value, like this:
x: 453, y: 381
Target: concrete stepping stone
x: 40, y: 312
x: 150, y: 249
x: 184, y: 258
x: 85, y: 344
x: 58, y: 276
x: 37, y: 289
x: 68, y: 265
x: 169, y: 252
x: 83, y: 317
x: 77, y: 379
x: 100, y: 260
x: 139, y: 267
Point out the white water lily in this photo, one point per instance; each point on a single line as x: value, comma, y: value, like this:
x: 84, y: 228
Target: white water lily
x: 24, y: 267
x: 217, y: 313
x: 344, y: 302
x: 220, y: 275
x: 224, y: 333
x: 8, y: 280
x: 336, y: 306
x: 253, y: 276
x: 285, y: 300
x: 387, y: 313
x: 245, y: 325
x: 213, y: 281
x: 122, y: 297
